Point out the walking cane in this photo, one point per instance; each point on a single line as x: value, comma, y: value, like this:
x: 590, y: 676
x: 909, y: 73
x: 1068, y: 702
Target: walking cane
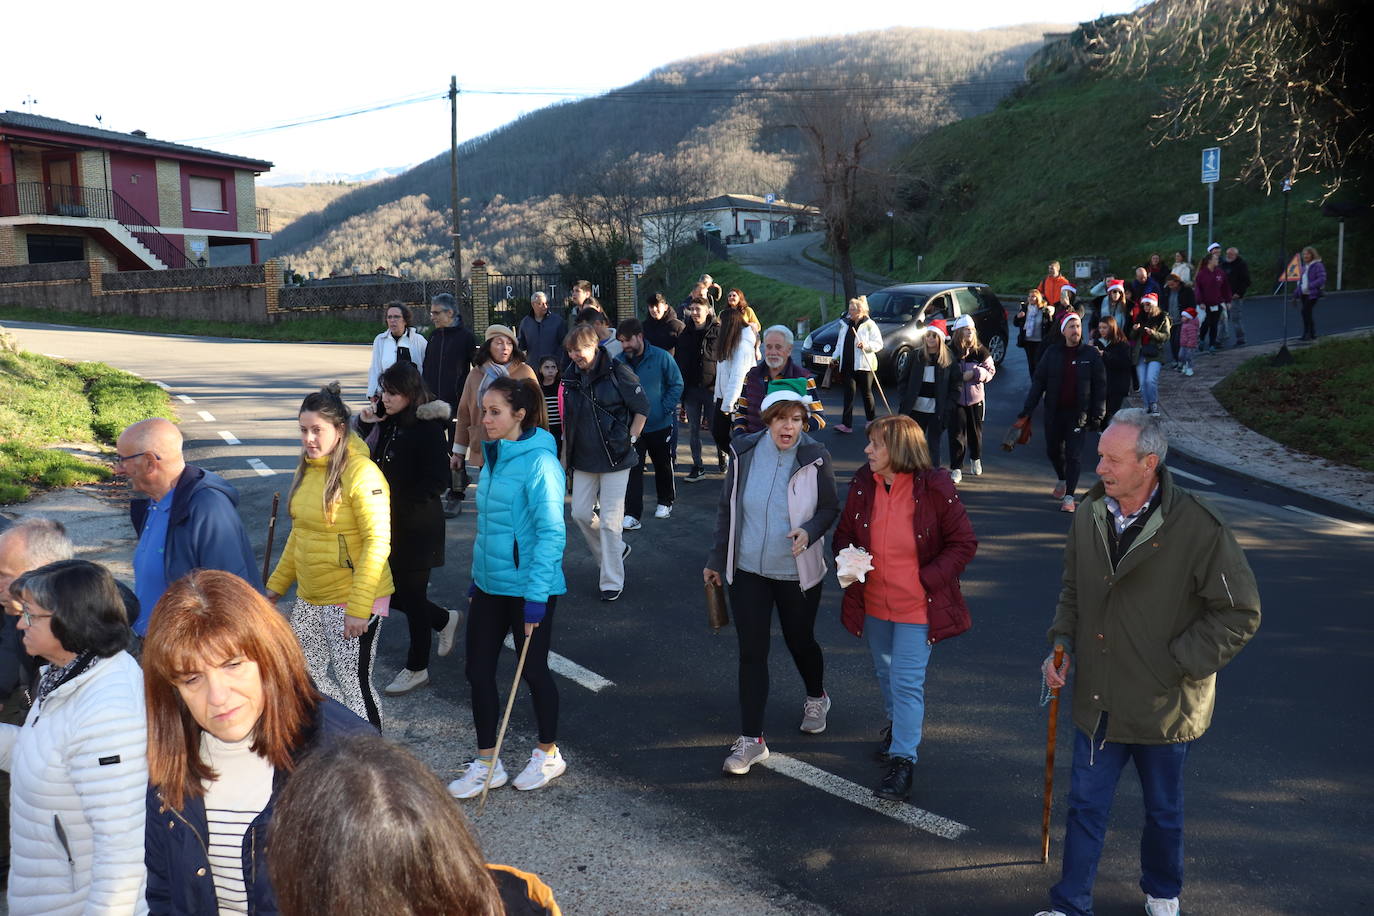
x: 505, y: 720
x: 271, y: 532
x: 1049, y: 762
x: 880, y: 391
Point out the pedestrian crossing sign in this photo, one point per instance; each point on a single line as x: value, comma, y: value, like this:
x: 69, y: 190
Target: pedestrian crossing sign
x: 1293, y: 272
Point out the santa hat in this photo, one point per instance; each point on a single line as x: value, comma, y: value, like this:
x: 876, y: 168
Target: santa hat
x: 785, y: 389
x: 1064, y: 322
x: 1215, y: 246
x: 1190, y: 312
x: 1149, y: 297
x: 963, y: 321
x: 938, y: 325
x: 1116, y: 285
x: 1070, y: 287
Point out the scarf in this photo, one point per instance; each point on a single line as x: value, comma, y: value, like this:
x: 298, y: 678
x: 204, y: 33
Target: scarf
x: 54, y: 677
x: 490, y: 373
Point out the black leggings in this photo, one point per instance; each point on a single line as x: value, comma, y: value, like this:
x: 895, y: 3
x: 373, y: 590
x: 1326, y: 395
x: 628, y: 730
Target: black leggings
x: 1032, y: 356
x: 1309, y: 324
x: 864, y: 382
x: 422, y: 615
x: 1064, y: 445
x: 720, y: 430
x: 752, y: 598
x: 490, y: 618
x: 966, y: 435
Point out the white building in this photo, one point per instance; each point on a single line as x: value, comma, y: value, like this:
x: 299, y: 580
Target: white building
x: 739, y: 218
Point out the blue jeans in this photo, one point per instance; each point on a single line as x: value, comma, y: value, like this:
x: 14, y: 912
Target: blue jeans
x: 1096, y: 771
x: 900, y: 655
x: 1147, y: 372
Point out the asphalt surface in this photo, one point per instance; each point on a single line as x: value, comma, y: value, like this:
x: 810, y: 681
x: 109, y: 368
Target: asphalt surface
x: 1279, y: 795
x: 783, y: 260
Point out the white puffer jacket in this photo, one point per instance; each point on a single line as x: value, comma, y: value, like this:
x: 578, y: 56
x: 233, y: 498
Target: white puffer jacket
x: 79, y: 782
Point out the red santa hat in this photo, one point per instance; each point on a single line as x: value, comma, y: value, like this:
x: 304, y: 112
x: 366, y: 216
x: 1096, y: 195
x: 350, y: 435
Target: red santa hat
x: 1070, y: 287
x: 1116, y: 286
x: 938, y: 325
x: 1190, y: 312
x: 1149, y: 297
x: 1064, y: 322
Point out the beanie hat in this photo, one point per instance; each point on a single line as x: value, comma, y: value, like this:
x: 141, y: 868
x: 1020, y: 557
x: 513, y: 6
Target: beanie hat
x: 1117, y: 286
x: 785, y: 389
x: 499, y: 330
x: 1149, y: 297
x: 1064, y: 322
x: 938, y: 325
x: 963, y: 321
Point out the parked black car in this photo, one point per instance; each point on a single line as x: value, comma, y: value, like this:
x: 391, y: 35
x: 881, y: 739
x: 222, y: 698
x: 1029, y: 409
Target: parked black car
x: 901, y: 313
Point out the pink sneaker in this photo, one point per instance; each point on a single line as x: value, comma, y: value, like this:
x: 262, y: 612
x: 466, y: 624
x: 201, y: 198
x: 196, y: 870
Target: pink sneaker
x: 841, y: 428
x: 1060, y: 490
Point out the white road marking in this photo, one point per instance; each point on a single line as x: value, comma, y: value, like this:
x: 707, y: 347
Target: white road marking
x: 262, y: 469
x: 206, y: 416
x: 185, y: 400
x: 163, y: 385
x: 571, y: 670
x: 229, y: 437
x: 1192, y: 477
x: 1326, y: 518
x: 864, y: 797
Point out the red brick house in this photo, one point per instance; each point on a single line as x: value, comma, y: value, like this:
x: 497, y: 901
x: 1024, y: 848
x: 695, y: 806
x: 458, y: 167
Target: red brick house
x: 70, y: 192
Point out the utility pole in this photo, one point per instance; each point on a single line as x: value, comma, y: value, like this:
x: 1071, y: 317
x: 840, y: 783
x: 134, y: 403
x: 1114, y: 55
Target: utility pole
x: 453, y: 187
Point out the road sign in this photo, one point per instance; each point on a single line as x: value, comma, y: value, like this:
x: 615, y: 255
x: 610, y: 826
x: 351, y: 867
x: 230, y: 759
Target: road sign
x: 1293, y: 272
x: 638, y: 269
x: 770, y: 199
x: 1187, y: 219
x: 1211, y: 165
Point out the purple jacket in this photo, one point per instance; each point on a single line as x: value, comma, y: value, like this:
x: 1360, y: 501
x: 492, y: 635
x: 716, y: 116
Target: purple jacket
x: 1316, y: 279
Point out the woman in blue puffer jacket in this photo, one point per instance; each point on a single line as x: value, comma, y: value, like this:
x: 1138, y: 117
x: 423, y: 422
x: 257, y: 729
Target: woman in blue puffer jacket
x: 517, y: 573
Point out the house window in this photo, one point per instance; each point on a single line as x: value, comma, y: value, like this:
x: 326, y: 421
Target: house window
x: 207, y: 194
x: 48, y: 249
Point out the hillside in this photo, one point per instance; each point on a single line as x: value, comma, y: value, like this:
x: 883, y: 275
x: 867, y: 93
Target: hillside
x: 1065, y: 167
x: 289, y: 203
x: 724, y: 117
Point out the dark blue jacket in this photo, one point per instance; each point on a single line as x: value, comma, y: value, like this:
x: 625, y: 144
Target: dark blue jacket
x: 179, y: 878
x: 662, y: 381
x: 204, y: 530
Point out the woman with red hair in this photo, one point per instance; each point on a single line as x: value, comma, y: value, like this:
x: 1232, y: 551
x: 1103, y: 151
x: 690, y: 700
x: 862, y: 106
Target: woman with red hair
x: 231, y: 712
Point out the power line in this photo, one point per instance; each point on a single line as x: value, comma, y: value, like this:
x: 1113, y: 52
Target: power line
x: 317, y: 119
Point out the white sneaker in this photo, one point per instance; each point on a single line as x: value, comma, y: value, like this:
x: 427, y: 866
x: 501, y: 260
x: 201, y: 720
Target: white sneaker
x: 813, y: 714
x: 448, y: 632
x: 977, y: 467
x: 469, y: 785
x: 1051, y: 913
x: 406, y: 681
x: 542, y: 769
x: 1161, y: 906
x: 744, y: 753
x: 663, y: 512
x: 630, y: 524
x: 1188, y: 371
x: 957, y: 474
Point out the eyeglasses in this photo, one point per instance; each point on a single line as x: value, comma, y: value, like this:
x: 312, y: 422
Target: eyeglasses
x: 125, y: 459
x: 30, y: 618
x: 398, y: 317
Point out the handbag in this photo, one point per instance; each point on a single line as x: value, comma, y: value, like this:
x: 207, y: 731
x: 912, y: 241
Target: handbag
x: 829, y: 377
x: 717, y: 615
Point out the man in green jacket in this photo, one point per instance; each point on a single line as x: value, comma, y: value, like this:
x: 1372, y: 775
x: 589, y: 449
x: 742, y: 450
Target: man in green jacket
x: 1157, y: 596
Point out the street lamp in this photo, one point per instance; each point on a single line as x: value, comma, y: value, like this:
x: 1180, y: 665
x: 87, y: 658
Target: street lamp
x: 889, y: 242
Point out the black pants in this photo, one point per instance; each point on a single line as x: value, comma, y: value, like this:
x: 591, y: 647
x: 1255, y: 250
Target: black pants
x: 1210, y: 325
x: 752, y: 599
x: 966, y: 435
x: 1173, y: 340
x: 657, y: 445
x: 422, y: 615
x: 1032, y: 355
x: 1114, y: 401
x: 934, y: 427
x: 1309, y: 326
x: 490, y: 618
x: 720, y: 430
x: 1064, y: 445
x: 863, y: 381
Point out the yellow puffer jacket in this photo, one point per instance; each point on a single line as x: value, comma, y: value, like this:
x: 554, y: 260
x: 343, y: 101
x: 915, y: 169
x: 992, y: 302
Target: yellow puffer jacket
x: 343, y: 562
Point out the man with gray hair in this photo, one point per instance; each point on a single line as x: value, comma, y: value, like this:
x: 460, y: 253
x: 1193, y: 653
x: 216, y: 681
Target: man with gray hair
x: 777, y: 363
x: 1157, y: 596
x: 541, y: 333
x: 448, y: 357
x: 26, y: 545
x: 185, y: 516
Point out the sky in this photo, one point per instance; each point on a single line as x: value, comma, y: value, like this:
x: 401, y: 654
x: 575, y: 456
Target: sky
x: 221, y: 75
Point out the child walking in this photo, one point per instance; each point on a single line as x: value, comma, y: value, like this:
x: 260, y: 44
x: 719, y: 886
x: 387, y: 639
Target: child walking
x: 551, y: 385
x: 1189, y: 329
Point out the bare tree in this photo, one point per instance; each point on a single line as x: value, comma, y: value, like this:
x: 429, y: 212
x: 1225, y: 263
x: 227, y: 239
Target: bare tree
x: 1285, y: 80
x: 671, y: 184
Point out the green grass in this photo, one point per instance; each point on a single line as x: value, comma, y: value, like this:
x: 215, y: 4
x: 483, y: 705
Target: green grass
x: 774, y: 302
x: 1066, y: 168
x: 45, y: 401
x: 336, y: 330
x: 1316, y: 405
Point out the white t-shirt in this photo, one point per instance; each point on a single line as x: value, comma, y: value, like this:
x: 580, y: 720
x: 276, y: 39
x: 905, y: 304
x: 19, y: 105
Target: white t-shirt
x: 232, y: 802
x: 927, y: 405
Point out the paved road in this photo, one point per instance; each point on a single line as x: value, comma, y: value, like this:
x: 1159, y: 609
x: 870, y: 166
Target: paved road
x: 1279, y: 794
x: 782, y: 260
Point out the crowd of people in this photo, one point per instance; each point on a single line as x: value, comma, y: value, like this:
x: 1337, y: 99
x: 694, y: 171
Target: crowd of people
x: 193, y: 706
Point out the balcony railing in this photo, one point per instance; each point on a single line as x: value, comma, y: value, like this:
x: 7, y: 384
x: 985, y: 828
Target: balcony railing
x: 39, y: 198
x: 264, y: 219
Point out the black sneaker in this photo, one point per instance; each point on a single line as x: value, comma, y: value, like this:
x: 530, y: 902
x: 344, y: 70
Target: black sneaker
x: 896, y: 785
x: 884, y: 745
x: 624, y: 553
x: 611, y: 596
x: 697, y: 473
x: 720, y: 463
x: 453, y: 505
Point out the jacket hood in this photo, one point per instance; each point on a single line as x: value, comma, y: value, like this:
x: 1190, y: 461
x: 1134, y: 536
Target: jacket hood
x: 434, y: 410
x: 192, y: 480
x: 808, y: 449
x: 534, y: 440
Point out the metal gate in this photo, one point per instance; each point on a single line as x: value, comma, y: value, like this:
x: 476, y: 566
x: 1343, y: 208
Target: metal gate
x: 510, y: 294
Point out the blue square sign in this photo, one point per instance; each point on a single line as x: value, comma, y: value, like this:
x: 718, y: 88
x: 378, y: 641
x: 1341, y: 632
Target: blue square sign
x: 1211, y: 165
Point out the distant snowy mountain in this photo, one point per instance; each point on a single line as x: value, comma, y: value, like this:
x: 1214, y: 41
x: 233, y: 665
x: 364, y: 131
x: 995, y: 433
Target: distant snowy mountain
x: 316, y: 176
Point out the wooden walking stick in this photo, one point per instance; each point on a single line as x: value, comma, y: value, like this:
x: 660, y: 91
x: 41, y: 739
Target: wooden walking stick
x: 1049, y: 761
x: 880, y: 391
x: 271, y: 532
x: 505, y: 720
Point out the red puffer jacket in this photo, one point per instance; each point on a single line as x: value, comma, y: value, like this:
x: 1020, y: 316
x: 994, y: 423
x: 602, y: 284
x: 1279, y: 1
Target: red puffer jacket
x: 944, y: 546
